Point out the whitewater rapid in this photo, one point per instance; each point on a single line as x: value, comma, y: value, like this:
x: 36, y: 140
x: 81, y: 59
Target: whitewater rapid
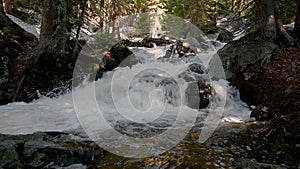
x: 58, y: 114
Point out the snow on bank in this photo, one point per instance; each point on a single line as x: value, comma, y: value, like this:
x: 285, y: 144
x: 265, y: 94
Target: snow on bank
x: 33, y: 29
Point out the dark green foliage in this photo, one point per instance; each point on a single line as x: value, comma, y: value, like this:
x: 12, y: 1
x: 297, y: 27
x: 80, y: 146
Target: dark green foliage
x: 287, y: 10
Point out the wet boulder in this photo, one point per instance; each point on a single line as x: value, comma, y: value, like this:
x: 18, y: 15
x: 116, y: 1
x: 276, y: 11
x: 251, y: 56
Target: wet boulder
x: 196, y: 72
x: 225, y: 36
x: 205, y: 92
x: 115, y: 56
x: 182, y: 48
x: 198, y: 95
x: 198, y: 92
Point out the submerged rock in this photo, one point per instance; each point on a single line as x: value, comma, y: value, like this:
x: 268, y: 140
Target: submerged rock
x: 197, y: 68
x: 47, y: 150
x: 171, y: 90
x: 252, y: 163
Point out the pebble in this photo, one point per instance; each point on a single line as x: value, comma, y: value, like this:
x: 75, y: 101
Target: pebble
x: 216, y: 165
x: 223, y: 164
x: 248, y: 148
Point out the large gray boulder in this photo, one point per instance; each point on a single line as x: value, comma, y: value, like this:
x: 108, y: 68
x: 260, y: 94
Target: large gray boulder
x: 237, y: 55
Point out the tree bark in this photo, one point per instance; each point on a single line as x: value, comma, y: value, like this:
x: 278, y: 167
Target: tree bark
x: 7, y: 6
x: 270, y: 27
x: 102, y: 21
x: 155, y: 16
x: 55, y: 34
x: 274, y: 27
x: 297, y: 21
x: 80, y: 17
x: 54, y: 29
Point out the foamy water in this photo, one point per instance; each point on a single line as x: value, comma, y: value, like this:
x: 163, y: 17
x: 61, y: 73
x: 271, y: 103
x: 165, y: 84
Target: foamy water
x: 138, y: 94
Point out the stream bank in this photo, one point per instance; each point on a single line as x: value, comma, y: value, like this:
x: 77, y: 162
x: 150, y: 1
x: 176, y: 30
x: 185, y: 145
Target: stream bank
x: 267, y: 77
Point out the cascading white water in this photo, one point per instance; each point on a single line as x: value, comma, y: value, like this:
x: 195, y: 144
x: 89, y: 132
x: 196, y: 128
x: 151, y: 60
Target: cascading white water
x: 147, y: 93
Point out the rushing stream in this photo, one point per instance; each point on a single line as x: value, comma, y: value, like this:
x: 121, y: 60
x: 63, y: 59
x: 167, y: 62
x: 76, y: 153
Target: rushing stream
x: 144, y: 106
x: 149, y: 107
x: 143, y: 100
x: 57, y: 114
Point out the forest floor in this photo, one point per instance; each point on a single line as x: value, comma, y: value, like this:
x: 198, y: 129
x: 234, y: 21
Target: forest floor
x: 275, y: 86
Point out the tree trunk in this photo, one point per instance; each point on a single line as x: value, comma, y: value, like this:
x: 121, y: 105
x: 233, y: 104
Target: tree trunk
x: 55, y: 34
x: 270, y: 27
x: 102, y: 20
x: 155, y: 15
x: 297, y: 21
x: 7, y: 6
x: 274, y: 27
x: 80, y: 17
x: 54, y: 21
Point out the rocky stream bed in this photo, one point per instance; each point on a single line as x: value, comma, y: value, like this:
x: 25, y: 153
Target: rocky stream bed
x: 232, y: 146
